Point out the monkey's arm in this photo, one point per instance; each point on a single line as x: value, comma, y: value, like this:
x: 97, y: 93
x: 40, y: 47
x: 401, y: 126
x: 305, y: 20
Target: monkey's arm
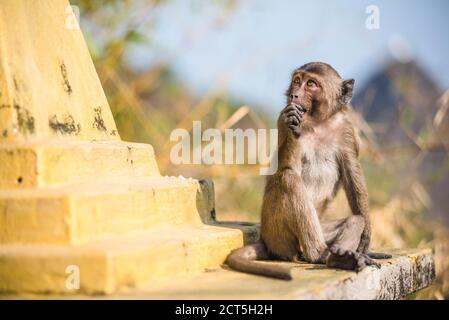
x: 306, y: 225
x: 282, y: 128
x: 355, y: 187
x: 289, y: 121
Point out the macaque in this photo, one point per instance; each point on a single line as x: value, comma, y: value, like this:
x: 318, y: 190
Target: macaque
x: 318, y: 153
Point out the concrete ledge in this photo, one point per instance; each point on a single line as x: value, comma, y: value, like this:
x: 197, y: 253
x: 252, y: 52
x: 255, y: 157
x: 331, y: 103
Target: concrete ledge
x: 407, y: 272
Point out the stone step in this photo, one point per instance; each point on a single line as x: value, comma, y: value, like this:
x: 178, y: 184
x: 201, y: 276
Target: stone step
x: 83, y: 212
x: 118, y: 263
x: 408, y: 271
x: 54, y: 163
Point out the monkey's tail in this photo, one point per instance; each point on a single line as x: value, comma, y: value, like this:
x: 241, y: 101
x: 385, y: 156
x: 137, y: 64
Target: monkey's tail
x: 243, y: 259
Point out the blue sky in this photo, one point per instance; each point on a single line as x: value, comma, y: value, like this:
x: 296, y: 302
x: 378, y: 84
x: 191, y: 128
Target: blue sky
x: 252, y: 49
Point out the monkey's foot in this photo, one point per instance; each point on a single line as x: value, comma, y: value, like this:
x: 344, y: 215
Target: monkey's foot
x: 349, y: 260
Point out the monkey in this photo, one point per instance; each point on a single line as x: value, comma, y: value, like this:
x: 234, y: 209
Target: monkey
x: 318, y: 149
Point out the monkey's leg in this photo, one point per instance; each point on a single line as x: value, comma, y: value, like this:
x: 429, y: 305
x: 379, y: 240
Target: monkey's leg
x: 343, y: 238
x: 332, y: 229
x: 308, y: 229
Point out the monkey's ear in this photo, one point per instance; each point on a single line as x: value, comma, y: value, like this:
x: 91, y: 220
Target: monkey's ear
x: 347, y: 88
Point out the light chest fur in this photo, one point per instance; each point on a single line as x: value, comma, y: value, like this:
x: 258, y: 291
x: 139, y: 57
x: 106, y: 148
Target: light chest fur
x: 319, y: 166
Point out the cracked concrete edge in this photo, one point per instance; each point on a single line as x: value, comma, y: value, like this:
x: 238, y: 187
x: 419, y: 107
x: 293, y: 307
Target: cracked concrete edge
x: 408, y: 274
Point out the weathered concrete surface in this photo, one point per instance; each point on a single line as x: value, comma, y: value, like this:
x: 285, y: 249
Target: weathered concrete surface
x: 407, y: 272
x: 117, y: 263
x: 49, y: 88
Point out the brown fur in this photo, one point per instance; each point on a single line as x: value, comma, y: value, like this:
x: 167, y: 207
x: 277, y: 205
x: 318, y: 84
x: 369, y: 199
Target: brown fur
x: 318, y: 153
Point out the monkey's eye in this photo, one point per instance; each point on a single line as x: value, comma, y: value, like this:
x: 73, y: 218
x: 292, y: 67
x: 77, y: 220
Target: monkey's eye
x: 312, y: 83
x: 296, y: 81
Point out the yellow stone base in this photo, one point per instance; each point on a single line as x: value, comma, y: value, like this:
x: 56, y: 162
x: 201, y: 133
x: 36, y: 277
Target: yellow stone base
x: 83, y: 212
x: 73, y: 193
x: 104, y: 207
x: 25, y: 165
x: 117, y: 263
x: 408, y: 271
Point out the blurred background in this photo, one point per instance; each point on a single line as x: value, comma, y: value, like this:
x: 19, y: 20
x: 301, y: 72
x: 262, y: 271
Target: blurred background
x: 164, y: 64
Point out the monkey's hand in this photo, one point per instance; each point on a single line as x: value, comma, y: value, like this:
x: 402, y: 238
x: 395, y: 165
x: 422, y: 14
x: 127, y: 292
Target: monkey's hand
x: 349, y: 260
x: 292, y: 115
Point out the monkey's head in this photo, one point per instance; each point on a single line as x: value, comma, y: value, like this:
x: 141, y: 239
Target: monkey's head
x: 319, y: 89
